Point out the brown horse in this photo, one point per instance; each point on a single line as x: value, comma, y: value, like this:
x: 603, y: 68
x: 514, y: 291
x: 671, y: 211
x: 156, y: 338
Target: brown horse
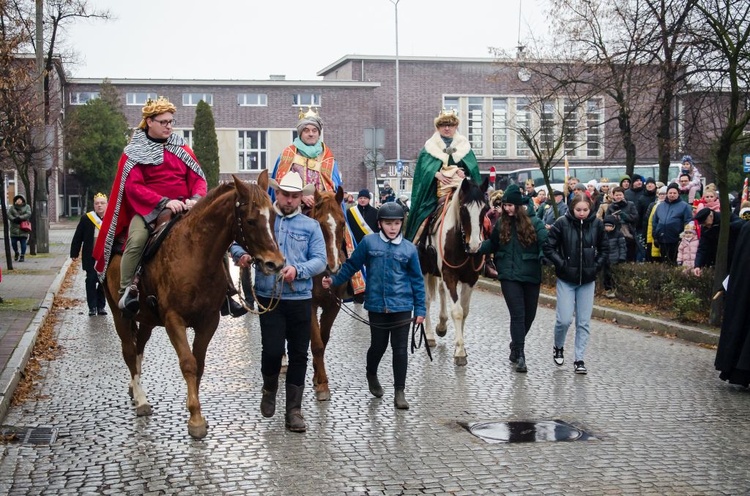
x: 329, y: 214
x: 178, y: 286
x: 456, y: 237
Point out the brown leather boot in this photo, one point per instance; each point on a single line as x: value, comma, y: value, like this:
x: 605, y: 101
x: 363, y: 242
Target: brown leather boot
x: 268, y: 402
x: 295, y: 422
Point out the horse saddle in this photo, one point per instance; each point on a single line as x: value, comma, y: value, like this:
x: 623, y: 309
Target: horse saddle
x: 158, y: 230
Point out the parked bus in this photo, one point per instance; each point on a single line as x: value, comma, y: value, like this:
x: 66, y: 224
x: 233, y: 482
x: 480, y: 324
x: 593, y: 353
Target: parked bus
x: 584, y: 173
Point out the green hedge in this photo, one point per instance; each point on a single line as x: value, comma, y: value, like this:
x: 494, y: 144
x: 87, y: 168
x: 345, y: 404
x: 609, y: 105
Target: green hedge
x: 665, y: 287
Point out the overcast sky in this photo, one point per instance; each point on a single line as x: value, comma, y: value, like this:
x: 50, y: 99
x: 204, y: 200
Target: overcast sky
x: 252, y: 39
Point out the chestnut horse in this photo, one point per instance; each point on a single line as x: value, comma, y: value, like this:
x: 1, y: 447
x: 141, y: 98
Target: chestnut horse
x: 178, y: 288
x: 329, y: 214
x: 456, y: 238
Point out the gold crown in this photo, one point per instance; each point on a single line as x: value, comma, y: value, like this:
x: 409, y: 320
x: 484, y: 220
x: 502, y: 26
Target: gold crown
x: 311, y: 113
x: 100, y: 196
x: 447, y: 115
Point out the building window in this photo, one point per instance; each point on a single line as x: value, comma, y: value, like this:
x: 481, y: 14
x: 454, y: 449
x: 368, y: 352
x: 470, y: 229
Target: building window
x: 138, y: 98
x: 499, y: 127
x: 192, y: 99
x: 523, y: 126
x: 251, y: 148
x: 547, y: 125
x: 451, y: 103
x: 476, y: 125
x: 307, y: 100
x: 594, y: 125
x: 82, y: 97
x: 570, y: 128
x: 187, y: 134
x: 252, y: 100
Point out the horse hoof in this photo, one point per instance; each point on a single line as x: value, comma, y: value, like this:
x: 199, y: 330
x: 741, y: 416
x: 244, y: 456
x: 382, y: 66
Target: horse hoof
x: 143, y: 410
x: 441, y: 332
x: 460, y: 361
x: 198, y: 431
x: 130, y: 392
x: 323, y: 395
x: 431, y: 343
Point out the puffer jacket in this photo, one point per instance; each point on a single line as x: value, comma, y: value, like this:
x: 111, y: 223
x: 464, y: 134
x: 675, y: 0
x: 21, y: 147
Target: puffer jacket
x: 669, y: 220
x: 17, y: 214
x: 687, y: 249
x: 577, y: 248
x: 514, y: 261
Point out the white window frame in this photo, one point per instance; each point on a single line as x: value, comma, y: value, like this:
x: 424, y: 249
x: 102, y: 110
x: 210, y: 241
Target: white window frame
x: 188, y: 135
x: 261, y: 153
x: 595, y: 128
x: 306, y: 100
x: 192, y: 99
x: 132, y: 98
x: 252, y: 100
x: 499, y: 126
x: 82, y: 97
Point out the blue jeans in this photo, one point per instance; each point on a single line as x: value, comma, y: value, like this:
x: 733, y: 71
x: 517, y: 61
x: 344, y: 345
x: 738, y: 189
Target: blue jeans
x: 16, y: 240
x: 570, y: 298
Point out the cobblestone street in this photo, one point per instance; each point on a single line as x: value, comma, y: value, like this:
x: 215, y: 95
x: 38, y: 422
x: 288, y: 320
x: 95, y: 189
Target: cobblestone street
x: 662, y: 420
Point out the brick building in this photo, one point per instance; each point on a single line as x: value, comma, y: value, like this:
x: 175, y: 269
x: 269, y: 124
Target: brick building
x: 356, y: 98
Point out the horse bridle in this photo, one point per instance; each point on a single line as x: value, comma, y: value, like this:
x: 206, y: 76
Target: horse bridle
x: 463, y: 240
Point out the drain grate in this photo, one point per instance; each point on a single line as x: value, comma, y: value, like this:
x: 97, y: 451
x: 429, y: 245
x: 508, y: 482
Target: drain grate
x: 28, y: 435
x: 526, y: 431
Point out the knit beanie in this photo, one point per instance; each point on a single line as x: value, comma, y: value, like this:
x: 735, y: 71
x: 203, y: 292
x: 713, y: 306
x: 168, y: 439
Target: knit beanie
x: 513, y: 195
x: 673, y: 186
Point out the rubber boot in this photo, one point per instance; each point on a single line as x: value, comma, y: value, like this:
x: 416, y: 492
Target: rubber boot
x: 295, y: 422
x: 521, y: 362
x: 268, y: 402
x: 375, y: 388
x: 400, y: 400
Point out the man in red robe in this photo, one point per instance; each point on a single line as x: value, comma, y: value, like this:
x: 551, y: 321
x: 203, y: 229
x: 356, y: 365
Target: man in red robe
x: 157, y: 170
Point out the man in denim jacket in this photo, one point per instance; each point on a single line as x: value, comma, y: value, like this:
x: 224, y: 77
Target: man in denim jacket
x: 301, y: 241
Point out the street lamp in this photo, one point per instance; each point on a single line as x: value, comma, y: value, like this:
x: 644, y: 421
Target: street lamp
x: 399, y: 164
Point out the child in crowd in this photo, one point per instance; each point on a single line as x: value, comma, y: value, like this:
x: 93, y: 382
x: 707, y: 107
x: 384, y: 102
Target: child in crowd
x: 617, y: 252
x: 688, y: 247
x: 395, y: 287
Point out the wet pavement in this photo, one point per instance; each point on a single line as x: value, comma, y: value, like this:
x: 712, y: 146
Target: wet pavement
x: 659, y: 419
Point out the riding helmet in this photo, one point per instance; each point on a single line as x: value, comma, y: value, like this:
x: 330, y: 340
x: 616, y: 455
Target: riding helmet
x: 390, y: 210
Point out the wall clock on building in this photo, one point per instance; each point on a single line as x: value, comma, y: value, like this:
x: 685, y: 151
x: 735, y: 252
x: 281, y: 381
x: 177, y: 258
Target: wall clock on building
x: 524, y: 74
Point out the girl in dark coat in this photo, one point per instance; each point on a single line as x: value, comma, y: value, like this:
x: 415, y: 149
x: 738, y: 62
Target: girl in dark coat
x: 517, y: 240
x: 733, y: 353
x: 578, y: 249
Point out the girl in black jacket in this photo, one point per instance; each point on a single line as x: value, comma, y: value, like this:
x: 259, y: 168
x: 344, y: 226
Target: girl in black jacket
x: 578, y: 249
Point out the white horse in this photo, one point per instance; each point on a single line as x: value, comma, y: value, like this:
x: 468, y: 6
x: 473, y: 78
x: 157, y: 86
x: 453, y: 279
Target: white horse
x: 456, y: 238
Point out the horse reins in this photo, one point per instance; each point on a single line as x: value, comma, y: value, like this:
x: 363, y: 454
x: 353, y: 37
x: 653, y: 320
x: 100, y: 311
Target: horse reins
x: 463, y: 238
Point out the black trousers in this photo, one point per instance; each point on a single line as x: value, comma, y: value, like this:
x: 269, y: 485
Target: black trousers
x: 94, y: 290
x: 522, y: 299
x: 288, y: 323
x: 393, y: 326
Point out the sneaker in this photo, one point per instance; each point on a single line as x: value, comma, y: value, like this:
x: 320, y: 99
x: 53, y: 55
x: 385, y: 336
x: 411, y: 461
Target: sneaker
x: 579, y: 367
x: 92, y: 312
x: 610, y: 294
x: 101, y: 311
x: 559, y: 358
x: 22, y: 258
x: 15, y: 257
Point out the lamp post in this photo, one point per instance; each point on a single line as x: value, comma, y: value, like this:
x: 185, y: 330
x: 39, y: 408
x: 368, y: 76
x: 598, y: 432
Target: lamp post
x: 399, y: 165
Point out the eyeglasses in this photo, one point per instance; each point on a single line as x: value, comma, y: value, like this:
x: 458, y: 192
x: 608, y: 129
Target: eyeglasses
x: 166, y: 122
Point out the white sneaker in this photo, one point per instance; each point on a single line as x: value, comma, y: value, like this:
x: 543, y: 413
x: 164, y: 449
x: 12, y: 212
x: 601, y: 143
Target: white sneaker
x: 579, y: 367
x: 559, y: 358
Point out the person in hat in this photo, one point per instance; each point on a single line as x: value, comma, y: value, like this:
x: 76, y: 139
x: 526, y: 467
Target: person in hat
x: 287, y: 324
x: 617, y: 253
x: 157, y: 171
x: 708, y: 224
x: 516, y: 242
x: 395, y: 292
x: 546, y: 212
x: 669, y: 220
x: 636, y: 189
x: 84, y: 238
x: 688, y: 247
x: 386, y: 193
x: 445, y: 160
x: 309, y: 157
x: 362, y: 218
x: 19, y: 213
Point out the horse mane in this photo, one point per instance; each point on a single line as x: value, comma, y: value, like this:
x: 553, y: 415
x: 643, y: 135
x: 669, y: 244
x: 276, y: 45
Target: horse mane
x: 212, y: 195
x: 474, y: 193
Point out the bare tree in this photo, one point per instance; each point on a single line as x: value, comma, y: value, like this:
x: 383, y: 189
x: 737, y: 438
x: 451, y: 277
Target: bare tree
x: 721, y: 37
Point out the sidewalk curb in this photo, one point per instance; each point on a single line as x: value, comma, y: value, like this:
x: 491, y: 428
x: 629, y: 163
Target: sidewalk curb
x: 622, y: 318
x: 11, y: 376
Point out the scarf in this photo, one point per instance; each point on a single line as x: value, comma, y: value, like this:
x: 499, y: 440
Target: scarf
x: 309, y: 151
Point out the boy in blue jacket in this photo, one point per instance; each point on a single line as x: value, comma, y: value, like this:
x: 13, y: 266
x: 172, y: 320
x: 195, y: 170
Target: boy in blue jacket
x: 395, y: 288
